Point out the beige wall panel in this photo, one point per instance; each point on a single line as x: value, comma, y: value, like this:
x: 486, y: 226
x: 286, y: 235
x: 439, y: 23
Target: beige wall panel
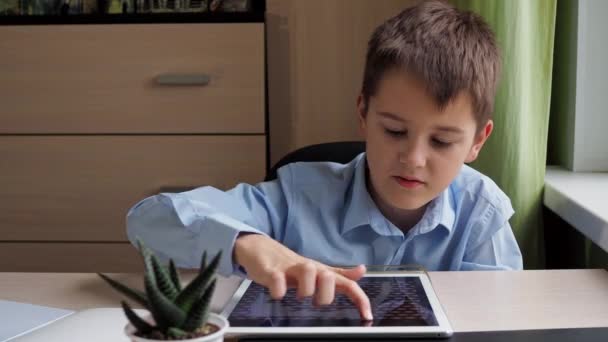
x: 316, y: 53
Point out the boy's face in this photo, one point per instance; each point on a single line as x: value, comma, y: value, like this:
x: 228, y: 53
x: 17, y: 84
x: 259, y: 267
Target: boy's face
x: 414, y: 149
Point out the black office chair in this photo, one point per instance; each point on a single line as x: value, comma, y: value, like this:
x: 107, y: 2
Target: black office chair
x: 339, y: 152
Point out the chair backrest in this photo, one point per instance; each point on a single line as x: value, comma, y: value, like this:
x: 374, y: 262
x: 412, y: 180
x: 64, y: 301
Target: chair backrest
x: 339, y: 152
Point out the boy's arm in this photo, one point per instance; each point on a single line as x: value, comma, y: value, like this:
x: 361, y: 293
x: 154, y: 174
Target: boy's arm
x: 499, y: 252
x: 183, y: 225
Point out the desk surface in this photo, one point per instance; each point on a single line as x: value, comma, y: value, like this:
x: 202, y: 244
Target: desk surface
x: 474, y: 301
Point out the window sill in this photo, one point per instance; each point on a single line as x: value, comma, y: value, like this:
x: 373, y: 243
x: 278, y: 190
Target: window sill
x: 581, y: 199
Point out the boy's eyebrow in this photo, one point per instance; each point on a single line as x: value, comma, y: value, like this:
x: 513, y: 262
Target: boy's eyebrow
x: 396, y: 117
x: 450, y: 129
x: 390, y: 116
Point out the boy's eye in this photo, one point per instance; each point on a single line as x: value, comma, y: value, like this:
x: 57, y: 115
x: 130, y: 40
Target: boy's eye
x: 441, y: 143
x: 394, y: 133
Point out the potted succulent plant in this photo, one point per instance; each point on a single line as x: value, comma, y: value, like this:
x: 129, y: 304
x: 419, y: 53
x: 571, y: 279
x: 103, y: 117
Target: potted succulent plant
x: 176, y: 312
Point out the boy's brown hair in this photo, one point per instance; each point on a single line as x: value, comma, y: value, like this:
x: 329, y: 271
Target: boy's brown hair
x: 448, y: 49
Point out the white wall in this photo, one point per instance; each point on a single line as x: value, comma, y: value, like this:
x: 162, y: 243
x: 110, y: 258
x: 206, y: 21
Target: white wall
x: 591, y: 120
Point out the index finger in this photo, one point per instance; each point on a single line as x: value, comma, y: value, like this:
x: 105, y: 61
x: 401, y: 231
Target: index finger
x: 353, y: 291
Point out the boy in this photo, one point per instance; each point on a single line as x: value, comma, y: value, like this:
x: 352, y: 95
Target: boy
x: 424, y: 110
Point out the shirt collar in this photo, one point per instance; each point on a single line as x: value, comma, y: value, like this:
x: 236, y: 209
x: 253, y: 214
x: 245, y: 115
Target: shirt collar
x: 359, y: 205
x: 362, y: 211
x: 439, y: 213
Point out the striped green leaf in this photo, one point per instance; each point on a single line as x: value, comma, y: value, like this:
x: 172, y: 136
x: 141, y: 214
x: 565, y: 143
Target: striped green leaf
x: 174, y: 275
x: 139, y: 324
x: 134, y: 294
x: 163, y: 279
x: 191, y: 293
x: 165, y: 313
x: 197, y: 316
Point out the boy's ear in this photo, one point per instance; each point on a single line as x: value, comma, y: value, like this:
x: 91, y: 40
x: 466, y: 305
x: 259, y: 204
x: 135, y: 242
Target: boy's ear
x: 361, y: 114
x: 480, y: 139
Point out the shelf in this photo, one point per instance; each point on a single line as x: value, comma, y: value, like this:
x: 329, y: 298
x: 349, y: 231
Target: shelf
x: 139, y: 18
x: 580, y: 199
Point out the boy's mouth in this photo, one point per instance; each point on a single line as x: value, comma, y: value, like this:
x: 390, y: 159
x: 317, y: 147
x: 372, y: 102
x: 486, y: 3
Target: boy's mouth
x: 408, y: 183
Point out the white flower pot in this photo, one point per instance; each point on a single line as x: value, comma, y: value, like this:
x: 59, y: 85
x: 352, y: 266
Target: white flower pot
x: 214, y: 319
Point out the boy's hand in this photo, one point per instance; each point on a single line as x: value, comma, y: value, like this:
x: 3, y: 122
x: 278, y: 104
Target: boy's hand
x: 276, y: 267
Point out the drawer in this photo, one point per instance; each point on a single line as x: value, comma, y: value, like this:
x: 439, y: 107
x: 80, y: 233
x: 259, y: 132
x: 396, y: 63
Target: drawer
x: 79, y: 188
x: 69, y: 257
x: 103, y: 78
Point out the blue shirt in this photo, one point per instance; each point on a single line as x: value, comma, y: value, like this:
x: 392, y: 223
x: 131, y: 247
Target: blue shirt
x: 323, y: 211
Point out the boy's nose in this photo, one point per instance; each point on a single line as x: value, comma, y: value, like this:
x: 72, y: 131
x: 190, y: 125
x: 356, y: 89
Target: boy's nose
x: 413, y: 156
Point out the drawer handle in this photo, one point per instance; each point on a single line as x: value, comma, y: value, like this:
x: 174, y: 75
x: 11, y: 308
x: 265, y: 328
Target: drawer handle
x: 183, y: 79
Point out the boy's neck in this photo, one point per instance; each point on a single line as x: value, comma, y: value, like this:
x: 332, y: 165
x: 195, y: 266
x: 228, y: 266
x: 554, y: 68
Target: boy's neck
x: 403, y: 219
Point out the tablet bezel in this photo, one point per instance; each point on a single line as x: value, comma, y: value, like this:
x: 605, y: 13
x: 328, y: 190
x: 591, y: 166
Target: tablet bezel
x: 443, y: 329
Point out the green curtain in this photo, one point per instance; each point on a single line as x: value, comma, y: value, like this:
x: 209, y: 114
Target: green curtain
x: 515, y: 155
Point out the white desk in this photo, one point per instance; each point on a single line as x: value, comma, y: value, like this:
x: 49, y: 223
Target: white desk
x: 580, y: 198
x: 474, y: 301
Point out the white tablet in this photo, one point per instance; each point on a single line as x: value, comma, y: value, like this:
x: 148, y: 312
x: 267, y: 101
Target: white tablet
x: 404, y: 304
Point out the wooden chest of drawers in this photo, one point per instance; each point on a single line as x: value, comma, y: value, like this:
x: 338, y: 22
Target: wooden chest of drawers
x: 94, y: 118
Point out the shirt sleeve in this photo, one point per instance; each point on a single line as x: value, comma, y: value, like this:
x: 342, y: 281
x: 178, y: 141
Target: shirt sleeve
x: 499, y: 252
x: 181, y: 226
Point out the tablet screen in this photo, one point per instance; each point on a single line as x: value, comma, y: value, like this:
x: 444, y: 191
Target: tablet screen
x: 396, y: 301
